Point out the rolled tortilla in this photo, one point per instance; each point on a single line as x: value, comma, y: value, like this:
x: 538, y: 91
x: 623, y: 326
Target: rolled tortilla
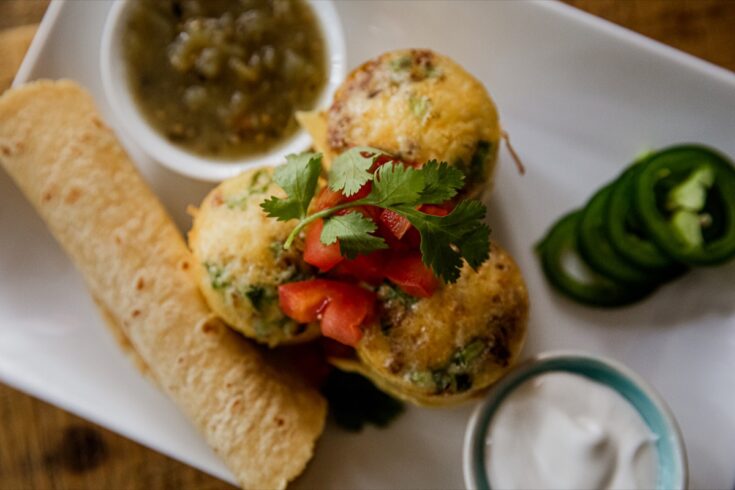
x: 73, y: 170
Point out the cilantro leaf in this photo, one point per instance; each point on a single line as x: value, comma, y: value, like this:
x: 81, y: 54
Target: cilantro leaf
x: 475, y: 245
x: 446, y: 240
x: 351, y: 170
x: 298, y: 177
x: 353, y: 230
x: 441, y: 182
x: 396, y: 184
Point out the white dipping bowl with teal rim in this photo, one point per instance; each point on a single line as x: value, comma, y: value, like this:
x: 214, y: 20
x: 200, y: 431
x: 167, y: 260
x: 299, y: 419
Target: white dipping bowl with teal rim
x: 672, y: 461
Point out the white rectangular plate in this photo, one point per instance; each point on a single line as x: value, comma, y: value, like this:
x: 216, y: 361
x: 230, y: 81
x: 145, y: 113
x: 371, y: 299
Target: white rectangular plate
x: 580, y: 98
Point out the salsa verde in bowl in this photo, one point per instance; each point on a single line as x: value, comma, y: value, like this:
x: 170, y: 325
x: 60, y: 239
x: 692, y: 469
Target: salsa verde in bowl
x: 211, y: 88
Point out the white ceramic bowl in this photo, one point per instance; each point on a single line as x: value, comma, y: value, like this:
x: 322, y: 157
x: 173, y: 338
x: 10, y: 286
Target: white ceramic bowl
x: 132, y: 121
x: 672, y: 460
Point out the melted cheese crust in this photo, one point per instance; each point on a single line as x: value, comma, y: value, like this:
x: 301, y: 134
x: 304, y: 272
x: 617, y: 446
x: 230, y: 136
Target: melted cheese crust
x: 421, y: 347
x: 417, y: 105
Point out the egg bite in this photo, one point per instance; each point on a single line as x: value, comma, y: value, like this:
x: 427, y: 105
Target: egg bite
x: 241, y: 261
x: 417, y: 105
x: 449, y: 347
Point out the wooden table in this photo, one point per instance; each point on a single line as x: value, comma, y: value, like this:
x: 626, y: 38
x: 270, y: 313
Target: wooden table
x: 43, y: 447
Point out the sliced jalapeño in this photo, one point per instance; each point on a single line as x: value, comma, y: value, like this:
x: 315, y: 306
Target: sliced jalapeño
x: 627, y: 234
x: 685, y: 198
x: 595, y: 246
x: 566, y: 270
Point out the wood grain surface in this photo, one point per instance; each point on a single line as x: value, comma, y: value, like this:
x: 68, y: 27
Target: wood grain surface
x: 43, y: 447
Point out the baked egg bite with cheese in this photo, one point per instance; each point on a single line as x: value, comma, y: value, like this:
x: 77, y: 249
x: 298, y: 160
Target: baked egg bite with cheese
x: 242, y: 262
x: 451, y: 346
x: 416, y: 105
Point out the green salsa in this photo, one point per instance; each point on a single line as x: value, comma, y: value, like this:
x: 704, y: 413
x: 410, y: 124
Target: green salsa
x: 223, y: 78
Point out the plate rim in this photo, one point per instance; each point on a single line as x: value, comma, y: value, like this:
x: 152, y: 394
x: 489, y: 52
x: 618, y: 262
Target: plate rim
x: 632, y: 39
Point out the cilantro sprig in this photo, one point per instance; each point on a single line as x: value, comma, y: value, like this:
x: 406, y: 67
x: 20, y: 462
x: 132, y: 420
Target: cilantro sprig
x: 351, y: 169
x: 298, y: 177
x: 445, y: 240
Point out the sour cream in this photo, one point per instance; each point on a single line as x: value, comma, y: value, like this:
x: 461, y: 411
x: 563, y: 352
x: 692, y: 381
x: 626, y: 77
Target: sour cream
x: 565, y: 431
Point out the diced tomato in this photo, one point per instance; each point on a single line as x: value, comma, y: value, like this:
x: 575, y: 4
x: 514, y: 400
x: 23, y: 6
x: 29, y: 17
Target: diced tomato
x: 327, y: 198
x: 372, y: 212
x: 412, y: 239
x: 342, y: 307
x: 302, y: 300
x: 397, y: 224
x: 400, y: 226
x: 325, y: 257
x: 434, y: 210
x: 369, y: 268
x: 409, y: 273
x: 346, y: 313
x: 394, y: 244
x: 383, y: 159
x: 366, y: 189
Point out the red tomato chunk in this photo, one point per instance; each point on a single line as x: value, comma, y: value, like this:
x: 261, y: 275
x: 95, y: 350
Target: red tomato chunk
x: 409, y: 273
x: 369, y: 268
x: 343, y: 308
x: 397, y: 224
x: 441, y: 210
x: 316, y: 253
